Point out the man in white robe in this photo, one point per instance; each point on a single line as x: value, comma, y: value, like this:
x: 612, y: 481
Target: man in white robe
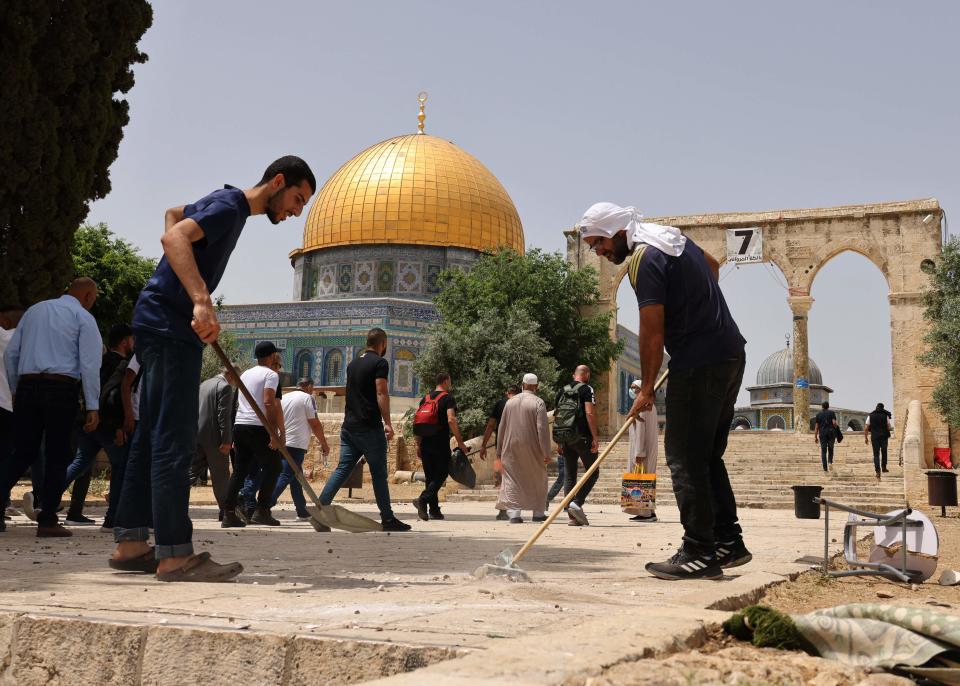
x: 524, y: 448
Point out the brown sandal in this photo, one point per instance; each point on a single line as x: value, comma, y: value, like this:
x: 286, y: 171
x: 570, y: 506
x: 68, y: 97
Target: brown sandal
x: 202, y: 568
x: 146, y: 563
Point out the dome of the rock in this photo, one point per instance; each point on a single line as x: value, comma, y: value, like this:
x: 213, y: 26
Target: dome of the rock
x: 778, y: 369
x: 413, y: 190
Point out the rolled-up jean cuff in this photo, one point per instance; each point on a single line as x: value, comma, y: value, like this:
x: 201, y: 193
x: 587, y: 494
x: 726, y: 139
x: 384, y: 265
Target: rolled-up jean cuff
x: 178, y: 550
x: 120, y: 534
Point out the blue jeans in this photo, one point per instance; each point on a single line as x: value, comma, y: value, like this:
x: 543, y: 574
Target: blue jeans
x: 248, y: 494
x: 88, y: 445
x: 354, y: 444
x: 558, y: 484
x: 287, y: 478
x: 157, y: 479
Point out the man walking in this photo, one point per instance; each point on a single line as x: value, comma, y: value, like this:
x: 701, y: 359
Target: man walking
x: 877, y: 433
x: 119, y: 349
x: 52, y: 360
x: 437, y: 412
x: 256, y: 444
x: 367, y: 427
x: 9, y: 318
x: 173, y: 319
x: 493, y: 424
x: 300, y: 420
x: 580, y: 440
x: 215, y: 432
x: 825, y: 435
x: 523, y: 444
x: 683, y: 309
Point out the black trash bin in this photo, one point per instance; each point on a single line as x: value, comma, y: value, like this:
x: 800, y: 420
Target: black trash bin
x: 942, y: 489
x: 803, y: 505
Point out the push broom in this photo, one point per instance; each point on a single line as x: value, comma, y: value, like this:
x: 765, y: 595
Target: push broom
x: 332, y: 516
x: 505, y: 563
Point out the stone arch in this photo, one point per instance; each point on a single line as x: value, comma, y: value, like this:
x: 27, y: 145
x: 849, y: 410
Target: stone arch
x: 776, y: 422
x: 869, y: 251
x: 303, y: 364
x: 740, y: 423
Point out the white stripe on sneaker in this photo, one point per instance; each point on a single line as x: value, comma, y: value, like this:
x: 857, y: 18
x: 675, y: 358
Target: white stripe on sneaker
x: 723, y: 551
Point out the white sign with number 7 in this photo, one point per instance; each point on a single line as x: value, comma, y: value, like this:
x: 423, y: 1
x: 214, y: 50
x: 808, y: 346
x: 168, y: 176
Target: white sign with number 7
x: 745, y: 245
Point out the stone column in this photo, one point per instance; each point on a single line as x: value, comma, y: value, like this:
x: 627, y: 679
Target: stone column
x: 800, y: 306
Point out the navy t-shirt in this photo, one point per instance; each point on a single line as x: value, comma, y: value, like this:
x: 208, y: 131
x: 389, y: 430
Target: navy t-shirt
x: 164, y: 308
x: 698, y: 327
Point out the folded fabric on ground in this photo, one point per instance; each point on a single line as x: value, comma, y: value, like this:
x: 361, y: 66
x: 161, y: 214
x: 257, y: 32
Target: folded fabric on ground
x: 919, y: 642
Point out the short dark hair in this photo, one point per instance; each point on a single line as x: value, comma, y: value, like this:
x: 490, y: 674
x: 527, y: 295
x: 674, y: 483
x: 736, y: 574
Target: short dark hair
x: 825, y: 405
x: 117, y: 333
x: 295, y: 171
x: 513, y: 388
x: 440, y: 378
x: 376, y: 336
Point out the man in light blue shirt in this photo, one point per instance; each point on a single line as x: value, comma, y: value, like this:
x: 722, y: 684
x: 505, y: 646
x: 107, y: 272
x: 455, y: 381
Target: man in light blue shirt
x: 54, y: 353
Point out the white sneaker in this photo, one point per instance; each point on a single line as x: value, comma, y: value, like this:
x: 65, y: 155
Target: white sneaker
x: 28, y: 506
x: 578, y: 514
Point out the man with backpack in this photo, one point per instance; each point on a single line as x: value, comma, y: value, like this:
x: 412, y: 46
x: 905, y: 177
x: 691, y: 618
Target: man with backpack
x: 113, y: 368
x: 683, y: 310
x: 575, y: 433
x: 434, y: 421
x: 367, y: 427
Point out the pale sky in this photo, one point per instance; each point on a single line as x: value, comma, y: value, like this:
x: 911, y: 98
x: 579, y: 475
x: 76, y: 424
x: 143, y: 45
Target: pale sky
x: 677, y: 108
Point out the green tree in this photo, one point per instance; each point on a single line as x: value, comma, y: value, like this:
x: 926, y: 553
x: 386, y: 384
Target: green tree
x: 210, y: 365
x: 117, y: 267
x: 62, y: 62
x: 942, y: 301
x: 543, y: 285
x: 483, y: 358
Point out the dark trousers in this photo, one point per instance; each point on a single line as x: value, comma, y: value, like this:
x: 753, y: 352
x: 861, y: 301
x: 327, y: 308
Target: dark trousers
x: 558, y: 484
x: 43, y: 410
x: 209, y: 456
x: 879, y: 444
x: 571, y: 454
x: 156, y: 485
x: 287, y: 478
x: 6, y: 442
x: 435, y: 457
x: 826, y: 449
x: 700, y: 405
x: 253, y: 447
x: 80, y: 469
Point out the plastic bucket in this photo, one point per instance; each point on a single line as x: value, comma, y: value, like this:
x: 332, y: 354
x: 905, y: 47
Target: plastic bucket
x: 942, y: 488
x: 803, y: 505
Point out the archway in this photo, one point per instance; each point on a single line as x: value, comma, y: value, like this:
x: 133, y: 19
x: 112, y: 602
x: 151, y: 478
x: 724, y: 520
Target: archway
x: 332, y: 368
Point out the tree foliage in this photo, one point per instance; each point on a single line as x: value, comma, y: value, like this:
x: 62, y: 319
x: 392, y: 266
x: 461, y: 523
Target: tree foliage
x: 61, y: 64
x: 210, y: 365
x: 508, y: 315
x: 483, y: 358
x: 548, y: 289
x: 942, y: 302
x: 117, y: 267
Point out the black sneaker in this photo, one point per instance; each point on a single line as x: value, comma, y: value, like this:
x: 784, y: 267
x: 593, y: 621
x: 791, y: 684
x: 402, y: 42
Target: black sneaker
x: 421, y: 509
x: 437, y: 515
x: 539, y: 518
x: 685, y: 565
x: 516, y: 520
x: 79, y: 520
x: 502, y: 516
x: 644, y: 518
x: 231, y: 520
x: 733, y: 554
x: 262, y: 516
x: 395, y: 525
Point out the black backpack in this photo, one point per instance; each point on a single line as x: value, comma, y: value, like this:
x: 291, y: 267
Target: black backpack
x: 567, y: 414
x: 111, y: 398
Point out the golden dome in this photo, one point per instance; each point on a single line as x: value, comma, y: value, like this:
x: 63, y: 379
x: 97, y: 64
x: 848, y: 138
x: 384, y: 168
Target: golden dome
x: 413, y: 190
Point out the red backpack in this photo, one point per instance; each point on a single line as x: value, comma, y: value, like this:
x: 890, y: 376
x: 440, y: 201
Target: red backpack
x: 426, y: 421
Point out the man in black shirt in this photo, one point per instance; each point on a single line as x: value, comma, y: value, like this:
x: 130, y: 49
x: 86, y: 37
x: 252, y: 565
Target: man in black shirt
x: 877, y: 432
x: 683, y: 309
x: 825, y: 434
x: 434, y: 450
x: 367, y: 427
x: 584, y: 450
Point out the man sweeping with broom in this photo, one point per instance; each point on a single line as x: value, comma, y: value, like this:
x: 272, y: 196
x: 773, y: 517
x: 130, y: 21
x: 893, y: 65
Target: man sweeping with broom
x: 683, y: 309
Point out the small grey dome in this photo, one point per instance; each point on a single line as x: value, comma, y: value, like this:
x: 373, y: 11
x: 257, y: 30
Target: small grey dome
x: 778, y: 369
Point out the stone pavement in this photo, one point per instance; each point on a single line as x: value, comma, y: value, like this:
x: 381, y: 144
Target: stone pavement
x: 375, y: 604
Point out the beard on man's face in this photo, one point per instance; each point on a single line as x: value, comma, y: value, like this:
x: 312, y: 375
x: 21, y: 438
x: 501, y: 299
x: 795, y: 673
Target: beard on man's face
x: 273, y: 202
x: 620, y: 249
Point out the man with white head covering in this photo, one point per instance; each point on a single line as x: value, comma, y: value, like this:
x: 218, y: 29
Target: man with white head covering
x: 524, y: 447
x: 683, y: 309
x: 642, y: 453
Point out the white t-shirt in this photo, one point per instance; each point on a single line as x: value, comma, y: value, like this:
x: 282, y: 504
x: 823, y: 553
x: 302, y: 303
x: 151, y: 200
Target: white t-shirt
x: 6, y: 399
x: 256, y: 379
x: 134, y: 366
x: 298, y: 407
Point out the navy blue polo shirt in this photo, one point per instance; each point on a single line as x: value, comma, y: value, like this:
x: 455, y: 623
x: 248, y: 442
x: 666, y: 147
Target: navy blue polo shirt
x: 698, y: 327
x: 164, y: 308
